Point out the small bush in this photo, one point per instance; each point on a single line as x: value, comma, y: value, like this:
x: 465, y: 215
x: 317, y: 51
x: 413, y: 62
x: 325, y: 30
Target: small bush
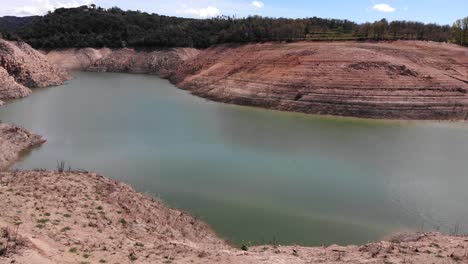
x: 123, y: 221
x: 65, y: 229
x: 244, y: 247
x: 43, y: 220
x: 60, y: 166
x: 73, y: 250
x: 132, y: 257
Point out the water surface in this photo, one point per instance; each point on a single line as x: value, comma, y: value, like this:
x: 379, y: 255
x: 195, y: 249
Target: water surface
x: 256, y: 176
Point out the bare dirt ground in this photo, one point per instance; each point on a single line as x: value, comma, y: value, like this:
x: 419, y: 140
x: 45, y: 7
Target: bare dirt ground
x: 80, y: 217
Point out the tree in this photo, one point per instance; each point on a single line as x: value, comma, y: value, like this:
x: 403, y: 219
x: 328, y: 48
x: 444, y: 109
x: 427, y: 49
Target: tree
x: 460, y: 31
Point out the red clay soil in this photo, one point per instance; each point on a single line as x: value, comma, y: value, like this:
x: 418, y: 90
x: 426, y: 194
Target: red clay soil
x: 392, y: 80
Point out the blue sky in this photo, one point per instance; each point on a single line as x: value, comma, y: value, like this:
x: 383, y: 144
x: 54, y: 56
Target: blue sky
x: 438, y: 11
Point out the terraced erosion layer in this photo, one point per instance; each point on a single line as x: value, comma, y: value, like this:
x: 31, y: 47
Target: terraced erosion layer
x: 397, y: 80
x: 389, y: 80
x: 159, y: 62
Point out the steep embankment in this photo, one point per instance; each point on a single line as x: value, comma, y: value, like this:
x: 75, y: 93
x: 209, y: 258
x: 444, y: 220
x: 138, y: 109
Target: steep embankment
x: 399, y: 80
x: 14, y: 140
x: 22, y: 67
x: 78, y: 217
x: 396, y: 80
x: 160, y: 62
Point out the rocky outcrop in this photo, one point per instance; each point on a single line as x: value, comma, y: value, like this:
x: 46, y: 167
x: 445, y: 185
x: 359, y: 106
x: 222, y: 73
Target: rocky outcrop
x: 22, y: 67
x: 398, y: 80
x: 14, y: 140
x: 159, y: 62
x: 9, y: 88
x: 77, y: 217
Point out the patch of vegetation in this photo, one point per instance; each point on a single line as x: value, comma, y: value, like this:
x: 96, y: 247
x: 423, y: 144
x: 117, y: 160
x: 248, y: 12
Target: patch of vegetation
x: 123, y: 221
x: 8, y: 240
x: 60, y: 166
x: 132, y: 257
x: 73, y: 250
x: 86, y: 255
x: 244, y: 247
x: 65, y: 229
x: 43, y: 220
x: 67, y: 215
x: 93, y: 26
x: 102, y: 261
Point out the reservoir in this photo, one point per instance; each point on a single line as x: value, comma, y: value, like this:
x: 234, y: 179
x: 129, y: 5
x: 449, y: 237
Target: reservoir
x: 255, y: 176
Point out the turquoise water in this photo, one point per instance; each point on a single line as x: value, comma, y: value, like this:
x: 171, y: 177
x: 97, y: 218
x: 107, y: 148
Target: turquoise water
x: 256, y: 176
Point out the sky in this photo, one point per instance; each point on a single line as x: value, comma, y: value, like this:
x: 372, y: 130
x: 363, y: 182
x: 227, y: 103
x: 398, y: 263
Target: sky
x: 428, y: 11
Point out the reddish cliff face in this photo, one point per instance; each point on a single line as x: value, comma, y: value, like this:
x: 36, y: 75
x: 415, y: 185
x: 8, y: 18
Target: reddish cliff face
x: 22, y: 67
x: 398, y: 80
x: 394, y: 80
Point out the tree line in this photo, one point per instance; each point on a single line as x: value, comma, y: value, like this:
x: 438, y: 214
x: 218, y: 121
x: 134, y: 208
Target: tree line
x: 91, y: 26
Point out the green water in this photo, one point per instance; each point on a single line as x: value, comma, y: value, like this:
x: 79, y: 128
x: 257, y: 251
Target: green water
x: 254, y: 175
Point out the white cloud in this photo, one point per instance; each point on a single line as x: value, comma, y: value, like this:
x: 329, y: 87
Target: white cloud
x: 201, y: 12
x: 41, y: 7
x: 386, y: 8
x: 258, y: 4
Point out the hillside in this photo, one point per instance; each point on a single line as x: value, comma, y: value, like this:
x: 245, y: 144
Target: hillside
x: 394, y: 80
x: 22, y: 68
x: 92, y: 26
x: 80, y: 217
x: 389, y: 80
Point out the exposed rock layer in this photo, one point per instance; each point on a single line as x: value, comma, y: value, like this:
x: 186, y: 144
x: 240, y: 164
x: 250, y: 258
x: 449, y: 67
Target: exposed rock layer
x: 77, y: 217
x: 22, y: 67
x: 395, y: 80
x: 160, y: 62
x: 399, y: 80
x: 14, y: 140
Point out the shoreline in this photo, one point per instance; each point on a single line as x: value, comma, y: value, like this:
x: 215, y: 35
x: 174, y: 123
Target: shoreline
x: 73, y: 216
x: 395, y: 80
x: 69, y: 217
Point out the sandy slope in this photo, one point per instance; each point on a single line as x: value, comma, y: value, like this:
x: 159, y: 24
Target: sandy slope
x: 22, y: 67
x: 78, y: 217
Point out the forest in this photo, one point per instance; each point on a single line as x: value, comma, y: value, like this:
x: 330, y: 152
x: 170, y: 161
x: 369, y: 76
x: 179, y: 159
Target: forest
x: 92, y: 26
